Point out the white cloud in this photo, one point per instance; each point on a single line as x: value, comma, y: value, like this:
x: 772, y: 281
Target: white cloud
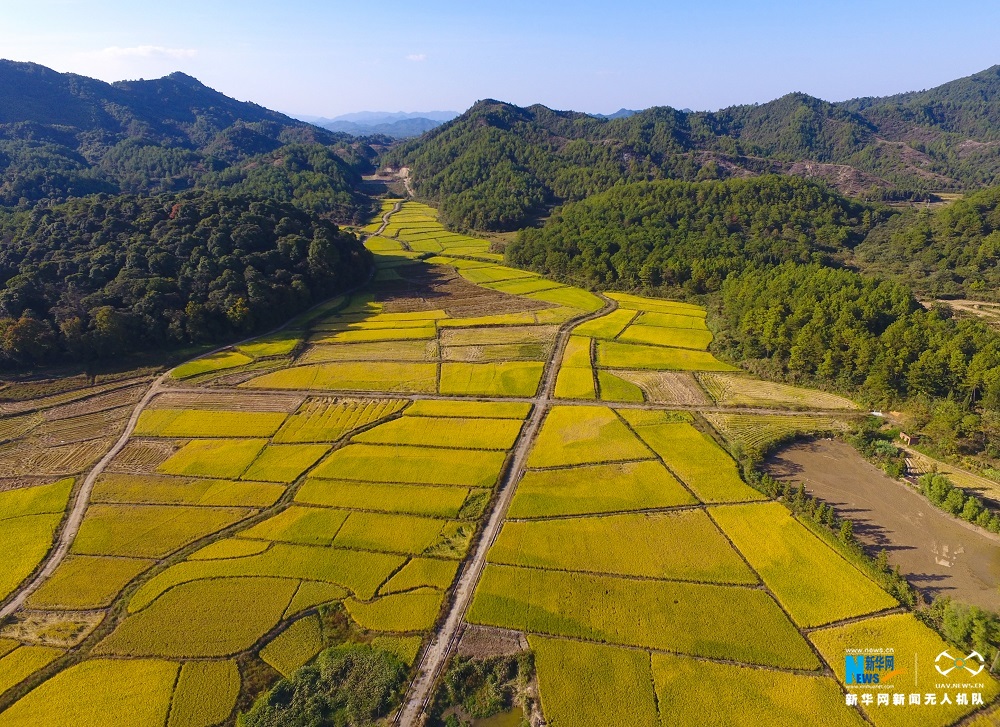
x: 148, y: 51
x: 416, y: 57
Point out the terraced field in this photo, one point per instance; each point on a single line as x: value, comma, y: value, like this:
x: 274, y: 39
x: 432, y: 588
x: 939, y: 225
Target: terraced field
x: 458, y: 443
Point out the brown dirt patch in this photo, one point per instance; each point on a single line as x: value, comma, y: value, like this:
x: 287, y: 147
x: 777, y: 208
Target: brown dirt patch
x: 438, y: 287
x: 483, y: 642
x: 939, y: 554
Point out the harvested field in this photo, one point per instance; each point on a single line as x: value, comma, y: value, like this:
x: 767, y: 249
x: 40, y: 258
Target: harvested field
x: 505, y: 334
x: 597, y: 489
x: 383, y: 351
x: 244, y: 401
x: 377, y: 335
x: 498, y: 353
x: 667, y: 387
x: 142, y: 455
x: 938, y: 554
x: 36, y: 457
x: 736, y: 390
x: 812, y: 581
x: 722, y: 622
x: 755, y: 433
x: 683, y: 545
x: 123, y: 397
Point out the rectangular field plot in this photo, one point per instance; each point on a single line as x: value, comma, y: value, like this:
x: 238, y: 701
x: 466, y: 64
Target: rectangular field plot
x: 148, y: 531
x: 495, y: 273
x: 569, y: 297
x: 422, y: 573
x: 614, y: 388
x: 206, y: 693
x: 515, y: 378
x: 584, y: 435
x: 583, y: 684
x: 153, y: 490
x: 24, y: 661
x: 756, y: 432
x: 683, y: 545
x: 382, y: 376
x: 360, y: 572
x: 597, y: 489
x: 207, y: 618
x: 666, y: 387
x: 399, y: 612
x: 412, y: 499
x: 381, y: 351
x: 608, y: 326
x: 299, y: 525
x: 575, y: 383
x: 687, y: 690
x: 814, y: 584
x: 674, y: 337
x: 500, y: 352
x: 407, y: 333
x: 24, y: 541
x: 577, y: 353
x: 418, y: 465
x: 80, y: 696
x: 736, y: 390
x: 496, y: 434
x: 294, y: 646
x: 723, y: 622
x: 468, y: 409
x: 521, y: 287
x: 490, y: 336
x: 616, y: 355
x: 327, y: 420
x: 222, y: 458
x: 389, y: 533
x: 209, y: 364
x: 82, y: 582
x: 700, y: 463
x: 657, y: 305
x: 284, y: 462
x: 672, y: 320
x: 914, y: 639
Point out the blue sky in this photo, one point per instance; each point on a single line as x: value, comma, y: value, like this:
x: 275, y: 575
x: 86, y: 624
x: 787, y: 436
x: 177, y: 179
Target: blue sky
x: 328, y: 58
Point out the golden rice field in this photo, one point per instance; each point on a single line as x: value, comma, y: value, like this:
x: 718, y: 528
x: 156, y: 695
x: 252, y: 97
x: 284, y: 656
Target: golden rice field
x: 331, y: 480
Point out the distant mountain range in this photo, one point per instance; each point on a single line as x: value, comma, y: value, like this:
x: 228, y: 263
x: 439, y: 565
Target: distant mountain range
x: 398, y: 125
x: 899, y: 147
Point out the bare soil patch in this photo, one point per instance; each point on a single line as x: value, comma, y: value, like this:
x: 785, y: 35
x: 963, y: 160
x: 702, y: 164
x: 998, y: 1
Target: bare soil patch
x: 939, y: 554
x: 483, y: 642
x: 437, y: 287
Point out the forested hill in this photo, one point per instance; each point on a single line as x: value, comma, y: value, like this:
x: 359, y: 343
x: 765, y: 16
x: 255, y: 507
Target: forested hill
x: 671, y: 234
x: 103, y: 276
x: 63, y: 135
x: 499, y: 166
